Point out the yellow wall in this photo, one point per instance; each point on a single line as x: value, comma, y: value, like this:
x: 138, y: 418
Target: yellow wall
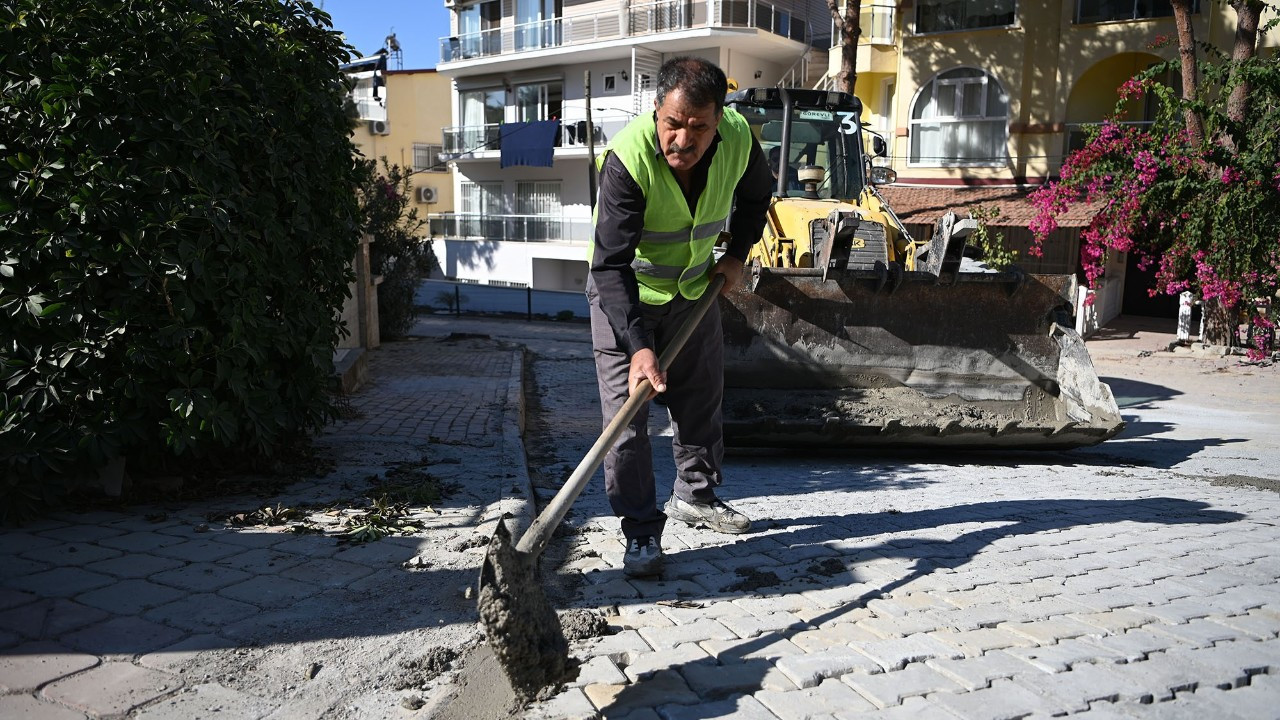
x: 418, y: 110
x: 1053, y: 71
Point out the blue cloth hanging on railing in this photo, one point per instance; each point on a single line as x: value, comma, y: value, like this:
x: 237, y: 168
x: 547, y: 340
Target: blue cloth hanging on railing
x: 528, y: 143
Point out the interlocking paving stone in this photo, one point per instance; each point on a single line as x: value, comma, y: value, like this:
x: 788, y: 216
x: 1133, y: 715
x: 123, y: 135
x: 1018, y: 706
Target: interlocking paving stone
x: 1060, y: 657
x: 669, y: 637
x: 1114, y: 621
x: 1004, y: 700
x: 663, y: 688
x: 740, y: 708
x: 974, y: 643
x: 900, y: 626
x: 27, y: 667
x: 748, y: 626
x: 10, y: 598
x: 768, y: 647
x: 1051, y: 630
x: 617, y: 646
x: 1162, y: 675
x: 569, y: 705
x: 112, y: 688
x: 72, y: 554
x: 61, y: 582
x: 261, y: 561
x: 49, y: 618
x: 1198, y: 633
x: 26, y: 707
x: 203, y: 550
x: 648, y: 664
x: 1085, y: 683
x: 81, y: 531
x: 831, y: 636
x: 599, y: 670
x: 647, y: 614
x: 265, y: 591
x: 891, y: 688
x: 1134, y: 644
x: 134, y: 565
x: 825, y: 699
x: 173, y: 658
x: 1252, y: 657
x: 201, y: 612
x: 977, y: 673
x: 896, y: 653
x: 327, y: 572
x: 717, y: 681
x: 1180, y: 611
x: 811, y: 669
x: 129, y: 597
x: 204, y: 701
x: 144, y: 541
x: 123, y: 636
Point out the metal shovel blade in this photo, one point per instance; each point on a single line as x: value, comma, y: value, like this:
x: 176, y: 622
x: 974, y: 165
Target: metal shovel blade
x: 521, y: 625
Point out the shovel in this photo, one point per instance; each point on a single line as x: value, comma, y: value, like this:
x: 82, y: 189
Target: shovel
x: 520, y: 623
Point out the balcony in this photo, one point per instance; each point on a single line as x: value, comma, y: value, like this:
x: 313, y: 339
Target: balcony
x: 1078, y: 134
x: 636, y: 20
x: 509, y: 228
x: 471, y: 141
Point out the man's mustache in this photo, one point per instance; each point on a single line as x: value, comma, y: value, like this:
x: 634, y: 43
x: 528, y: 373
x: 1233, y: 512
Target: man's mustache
x: 673, y: 148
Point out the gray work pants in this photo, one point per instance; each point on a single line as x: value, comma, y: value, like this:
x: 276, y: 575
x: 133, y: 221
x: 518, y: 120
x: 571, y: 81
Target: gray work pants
x: 695, y: 388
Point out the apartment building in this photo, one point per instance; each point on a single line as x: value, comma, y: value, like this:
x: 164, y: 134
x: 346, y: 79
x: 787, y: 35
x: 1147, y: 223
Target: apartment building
x: 402, y: 114
x: 982, y: 101
x: 519, y: 65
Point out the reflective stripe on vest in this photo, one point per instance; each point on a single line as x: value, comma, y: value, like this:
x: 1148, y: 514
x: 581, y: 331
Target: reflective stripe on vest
x: 675, y: 250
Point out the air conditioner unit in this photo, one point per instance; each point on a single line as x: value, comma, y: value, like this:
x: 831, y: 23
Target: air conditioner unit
x: 427, y: 195
x: 379, y: 127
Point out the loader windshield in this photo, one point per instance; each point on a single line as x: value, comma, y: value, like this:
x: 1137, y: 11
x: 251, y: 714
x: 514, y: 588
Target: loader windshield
x: 821, y: 135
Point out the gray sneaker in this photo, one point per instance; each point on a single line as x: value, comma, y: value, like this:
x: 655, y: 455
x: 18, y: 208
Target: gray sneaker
x: 643, y: 557
x: 715, y: 514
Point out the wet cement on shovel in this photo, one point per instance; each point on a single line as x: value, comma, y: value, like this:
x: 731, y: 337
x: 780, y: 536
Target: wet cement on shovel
x: 521, y: 625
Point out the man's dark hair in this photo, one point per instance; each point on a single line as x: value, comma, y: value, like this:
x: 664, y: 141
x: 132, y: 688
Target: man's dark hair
x: 701, y: 80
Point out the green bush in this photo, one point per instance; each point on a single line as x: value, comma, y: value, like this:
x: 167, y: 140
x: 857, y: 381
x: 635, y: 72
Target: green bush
x: 398, y: 254
x: 177, y: 217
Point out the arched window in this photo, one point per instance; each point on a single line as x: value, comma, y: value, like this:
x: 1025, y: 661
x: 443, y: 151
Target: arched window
x: 961, y: 117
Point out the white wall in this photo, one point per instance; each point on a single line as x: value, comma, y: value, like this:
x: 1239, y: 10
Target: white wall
x: 514, y: 262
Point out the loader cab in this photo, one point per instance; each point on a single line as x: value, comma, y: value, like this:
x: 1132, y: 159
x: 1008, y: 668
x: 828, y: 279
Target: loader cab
x: 812, y: 134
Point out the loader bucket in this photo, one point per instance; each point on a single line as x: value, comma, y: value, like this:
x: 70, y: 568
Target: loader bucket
x: 862, y: 359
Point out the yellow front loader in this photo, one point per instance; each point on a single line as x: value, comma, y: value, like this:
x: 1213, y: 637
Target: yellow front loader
x: 849, y: 332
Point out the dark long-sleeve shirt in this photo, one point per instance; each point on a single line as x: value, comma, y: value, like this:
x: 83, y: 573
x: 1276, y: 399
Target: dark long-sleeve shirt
x: 620, y: 220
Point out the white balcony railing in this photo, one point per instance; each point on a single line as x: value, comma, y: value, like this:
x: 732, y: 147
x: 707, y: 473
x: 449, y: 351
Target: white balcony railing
x: 368, y: 108
x: 877, y: 23
x: 639, y: 19
x: 509, y: 228
x: 461, y: 141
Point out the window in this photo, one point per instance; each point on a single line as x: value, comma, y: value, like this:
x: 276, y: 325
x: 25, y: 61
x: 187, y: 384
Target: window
x: 941, y: 15
x: 426, y: 158
x: 481, y: 113
x: 537, y: 24
x: 482, y: 210
x: 961, y: 117
x: 478, y: 33
x: 1092, y: 11
x: 538, y: 210
x: 539, y: 101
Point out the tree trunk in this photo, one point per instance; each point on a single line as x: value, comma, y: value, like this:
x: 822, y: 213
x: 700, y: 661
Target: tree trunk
x: 1220, y: 324
x: 1246, y: 46
x: 1187, y: 54
x: 850, y: 31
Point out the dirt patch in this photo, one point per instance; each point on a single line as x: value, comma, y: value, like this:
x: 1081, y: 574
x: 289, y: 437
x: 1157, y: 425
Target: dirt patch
x: 582, y: 624
x: 1240, y: 481
x: 416, y: 673
x: 753, y: 579
x: 829, y: 567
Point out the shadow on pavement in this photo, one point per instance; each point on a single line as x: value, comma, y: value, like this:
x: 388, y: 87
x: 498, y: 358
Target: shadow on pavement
x: 925, y: 556
x: 1138, y: 395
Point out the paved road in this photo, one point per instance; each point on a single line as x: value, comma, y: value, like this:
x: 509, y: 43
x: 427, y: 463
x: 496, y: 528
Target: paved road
x: 1135, y: 579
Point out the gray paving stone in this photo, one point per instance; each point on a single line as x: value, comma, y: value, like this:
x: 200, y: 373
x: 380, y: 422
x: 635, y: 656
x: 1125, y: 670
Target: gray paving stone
x: 1052, y: 630
x: 977, y: 673
x: 129, y: 597
x: 748, y: 676
x: 29, y: 666
x: 1136, y: 644
x: 774, y: 604
x: 1180, y: 611
x: 1251, y: 657
x: 174, y: 658
x: 382, y: 553
x: 571, y: 704
x: 703, y: 609
x: 255, y: 538
x: 50, y: 618
x: 201, y: 577
x: 1114, y: 621
x: 308, y: 546
x: 896, y: 653
x: 1004, y: 700
x: 647, y: 665
x: 201, y: 612
x: 10, y: 598
x: 207, y: 700
x: 976, y: 617
x: 648, y: 614
x: 26, y: 707
x: 914, y: 708
x: 899, y: 626
x: 826, y: 699
x: 1198, y: 633
x: 142, y: 541
x: 618, y: 646
x: 266, y: 591
x: 21, y: 543
x: 599, y: 670
x: 614, y: 590
x: 731, y: 651
x: 202, y: 550
x: 664, y: 688
x: 261, y: 561
x: 123, y: 636
x: 739, y: 708
x: 112, y: 688
x: 1084, y: 684
x: 1060, y: 657
x: 669, y: 637
x: 327, y: 572
x: 809, y: 670
x: 1235, y: 601
x: 974, y: 643
x: 71, y: 554
x: 749, y: 626
x: 60, y: 582
x: 831, y: 636
x: 1162, y: 675
x: 82, y: 531
x: 134, y: 565
x: 891, y: 688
